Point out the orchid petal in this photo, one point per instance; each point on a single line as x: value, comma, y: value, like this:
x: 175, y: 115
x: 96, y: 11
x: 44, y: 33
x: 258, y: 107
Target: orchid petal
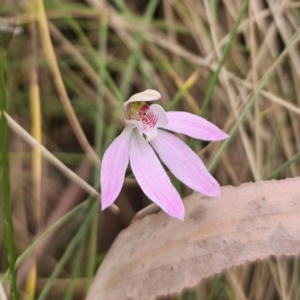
x: 114, y: 164
x: 147, y: 95
x: 152, y: 177
x: 158, y: 110
x: 194, y: 126
x: 185, y: 164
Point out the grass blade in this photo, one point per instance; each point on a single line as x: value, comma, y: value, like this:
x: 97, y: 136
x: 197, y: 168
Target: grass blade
x: 5, y: 184
x: 227, y: 48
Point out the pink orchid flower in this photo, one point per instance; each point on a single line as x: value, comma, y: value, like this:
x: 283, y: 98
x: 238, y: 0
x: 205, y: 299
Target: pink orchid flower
x: 144, y: 120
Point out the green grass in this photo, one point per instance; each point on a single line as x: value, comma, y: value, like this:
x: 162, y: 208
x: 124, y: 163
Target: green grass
x: 5, y: 183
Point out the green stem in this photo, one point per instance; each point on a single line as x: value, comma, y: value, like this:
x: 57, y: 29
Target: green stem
x: 227, y: 49
x: 135, y: 58
x: 282, y: 168
x: 58, y: 224
x: 235, y: 128
x: 5, y: 184
x: 67, y: 254
x: 69, y: 295
x: 107, y: 79
x: 259, y: 88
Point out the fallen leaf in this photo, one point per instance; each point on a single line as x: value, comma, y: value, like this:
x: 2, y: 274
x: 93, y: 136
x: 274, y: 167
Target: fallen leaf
x: 159, y: 255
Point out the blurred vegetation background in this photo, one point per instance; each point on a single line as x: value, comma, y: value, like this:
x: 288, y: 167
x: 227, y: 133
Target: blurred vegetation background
x: 71, y: 64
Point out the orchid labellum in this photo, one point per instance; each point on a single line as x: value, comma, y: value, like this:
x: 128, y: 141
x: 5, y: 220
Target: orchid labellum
x: 143, y: 140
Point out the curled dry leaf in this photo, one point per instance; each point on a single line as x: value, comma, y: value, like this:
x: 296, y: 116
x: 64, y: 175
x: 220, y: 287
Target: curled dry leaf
x: 159, y: 255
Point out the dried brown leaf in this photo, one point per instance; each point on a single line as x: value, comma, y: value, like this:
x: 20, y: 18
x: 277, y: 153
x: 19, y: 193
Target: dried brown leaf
x: 160, y: 255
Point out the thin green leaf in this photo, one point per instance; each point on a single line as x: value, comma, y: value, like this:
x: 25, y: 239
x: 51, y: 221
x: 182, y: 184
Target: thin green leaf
x: 227, y: 49
x: 5, y: 183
